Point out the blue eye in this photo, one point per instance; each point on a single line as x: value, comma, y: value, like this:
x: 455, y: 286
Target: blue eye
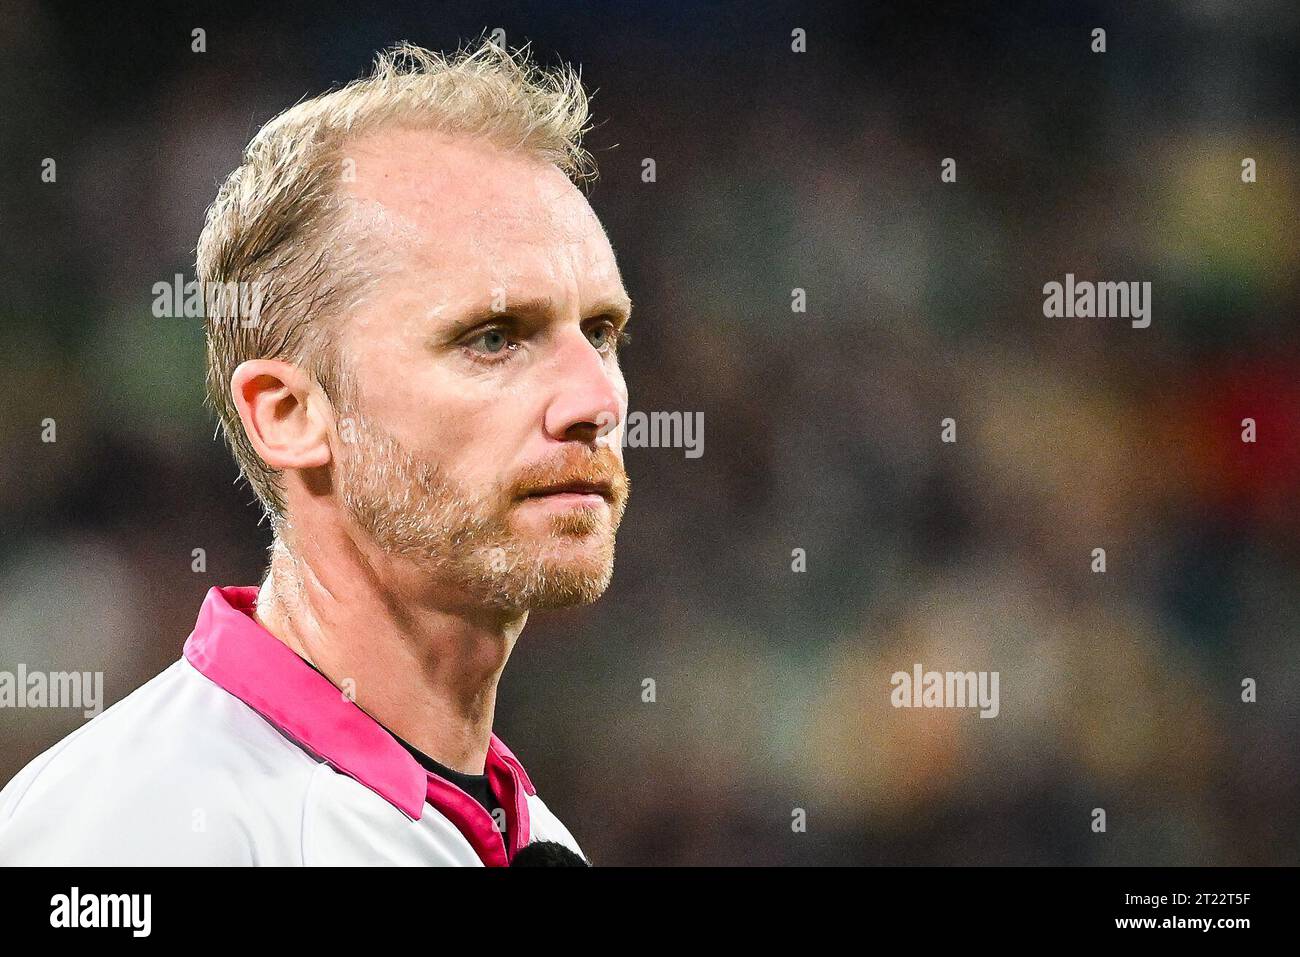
x: 606, y: 337
x: 491, y: 341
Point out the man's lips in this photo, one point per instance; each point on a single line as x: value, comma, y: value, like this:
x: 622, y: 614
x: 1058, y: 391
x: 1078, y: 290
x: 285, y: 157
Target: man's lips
x: 603, y: 489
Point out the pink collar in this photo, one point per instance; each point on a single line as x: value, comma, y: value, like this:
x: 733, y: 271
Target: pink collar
x: 231, y: 649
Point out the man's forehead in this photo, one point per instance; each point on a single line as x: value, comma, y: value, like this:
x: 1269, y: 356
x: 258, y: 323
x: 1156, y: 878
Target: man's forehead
x: 491, y: 252
x: 435, y: 185
x: 464, y: 221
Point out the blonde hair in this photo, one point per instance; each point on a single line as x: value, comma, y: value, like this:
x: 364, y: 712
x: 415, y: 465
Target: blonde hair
x: 279, y: 226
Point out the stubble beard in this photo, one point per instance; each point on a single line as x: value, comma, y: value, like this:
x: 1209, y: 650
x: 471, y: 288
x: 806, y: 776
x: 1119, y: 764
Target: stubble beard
x: 414, y: 511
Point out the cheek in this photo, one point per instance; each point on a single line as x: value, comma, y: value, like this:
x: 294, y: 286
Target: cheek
x: 416, y: 408
x: 477, y: 441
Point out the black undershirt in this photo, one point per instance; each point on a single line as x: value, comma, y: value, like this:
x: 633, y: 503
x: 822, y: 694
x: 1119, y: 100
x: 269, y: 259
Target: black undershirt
x: 476, y: 786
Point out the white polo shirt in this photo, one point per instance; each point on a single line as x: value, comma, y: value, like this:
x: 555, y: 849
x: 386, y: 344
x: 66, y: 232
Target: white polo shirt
x: 241, y: 753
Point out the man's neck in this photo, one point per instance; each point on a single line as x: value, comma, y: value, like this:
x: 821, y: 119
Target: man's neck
x: 424, y: 667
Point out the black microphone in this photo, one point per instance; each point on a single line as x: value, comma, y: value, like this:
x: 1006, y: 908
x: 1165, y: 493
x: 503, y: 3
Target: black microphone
x: 546, y: 854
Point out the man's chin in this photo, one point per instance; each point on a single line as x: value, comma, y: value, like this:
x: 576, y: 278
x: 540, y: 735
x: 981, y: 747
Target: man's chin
x: 570, y: 593
x: 570, y: 572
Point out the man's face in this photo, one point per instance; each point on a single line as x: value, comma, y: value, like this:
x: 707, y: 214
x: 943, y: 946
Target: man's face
x: 481, y: 433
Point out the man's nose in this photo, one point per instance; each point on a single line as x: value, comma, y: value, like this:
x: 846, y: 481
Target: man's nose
x: 587, y: 397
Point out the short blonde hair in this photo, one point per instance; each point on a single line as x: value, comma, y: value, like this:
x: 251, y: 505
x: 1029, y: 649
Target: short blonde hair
x: 278, y: 224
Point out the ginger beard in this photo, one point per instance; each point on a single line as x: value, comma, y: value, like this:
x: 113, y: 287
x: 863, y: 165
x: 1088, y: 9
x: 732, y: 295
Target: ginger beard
x: 475, y: 538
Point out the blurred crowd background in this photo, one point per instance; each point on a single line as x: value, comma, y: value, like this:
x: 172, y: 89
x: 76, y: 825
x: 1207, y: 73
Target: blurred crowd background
x: 775, y: 170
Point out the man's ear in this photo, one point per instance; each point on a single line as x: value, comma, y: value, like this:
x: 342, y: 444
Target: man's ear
x: 285, y: 415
